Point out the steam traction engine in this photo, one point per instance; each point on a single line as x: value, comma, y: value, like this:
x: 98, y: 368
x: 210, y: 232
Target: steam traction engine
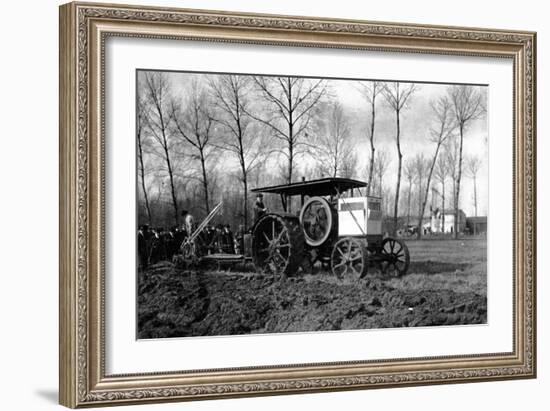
x: 334, y: 227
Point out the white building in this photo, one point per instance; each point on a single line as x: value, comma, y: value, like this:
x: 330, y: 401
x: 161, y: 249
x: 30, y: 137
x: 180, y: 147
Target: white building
x: 443, y: 221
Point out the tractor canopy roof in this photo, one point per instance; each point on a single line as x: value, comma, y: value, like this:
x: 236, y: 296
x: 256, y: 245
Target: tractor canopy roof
x: 320, y: 187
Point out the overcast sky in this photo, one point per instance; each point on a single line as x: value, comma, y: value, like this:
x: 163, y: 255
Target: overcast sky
x: 416, y: 122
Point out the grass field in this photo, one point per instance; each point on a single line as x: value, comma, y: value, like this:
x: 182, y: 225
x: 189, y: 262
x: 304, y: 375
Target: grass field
x: 446, y: 285
x: 458, y: 265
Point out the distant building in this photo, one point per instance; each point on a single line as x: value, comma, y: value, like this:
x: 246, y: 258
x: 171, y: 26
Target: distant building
x: 426, y: 225
x: 443, y: 221
x: 477, y: 225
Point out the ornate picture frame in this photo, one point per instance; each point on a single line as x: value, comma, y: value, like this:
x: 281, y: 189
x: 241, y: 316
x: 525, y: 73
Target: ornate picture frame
x: 84, y: 28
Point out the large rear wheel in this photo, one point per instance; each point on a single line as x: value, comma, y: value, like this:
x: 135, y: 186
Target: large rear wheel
x: 278, y: 244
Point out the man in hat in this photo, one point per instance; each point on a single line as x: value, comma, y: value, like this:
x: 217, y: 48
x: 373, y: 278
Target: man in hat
x: 259, y: 207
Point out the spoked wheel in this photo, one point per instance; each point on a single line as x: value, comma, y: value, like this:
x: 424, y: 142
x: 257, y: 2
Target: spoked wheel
x: 277, y: 244
x: 349, y: 258
x: 317, y: 221
x: 395, y: 257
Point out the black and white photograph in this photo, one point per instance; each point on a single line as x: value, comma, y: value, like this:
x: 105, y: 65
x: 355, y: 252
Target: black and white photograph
x: 273, y: 203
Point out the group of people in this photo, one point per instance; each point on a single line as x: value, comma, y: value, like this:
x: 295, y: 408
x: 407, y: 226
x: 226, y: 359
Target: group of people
x: 159, y: 244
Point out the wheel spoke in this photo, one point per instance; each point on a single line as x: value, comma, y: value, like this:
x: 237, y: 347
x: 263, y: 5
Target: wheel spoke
x: 268, y: 261
x: 280, y: 236
x: 340, y: 264
x: 280, y: 255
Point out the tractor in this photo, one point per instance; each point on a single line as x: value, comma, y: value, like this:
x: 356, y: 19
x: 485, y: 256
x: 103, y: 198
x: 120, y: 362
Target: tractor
x: 336, y: 227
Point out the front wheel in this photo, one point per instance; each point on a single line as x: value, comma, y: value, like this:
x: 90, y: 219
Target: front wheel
x: 395, y: 258
x: 349, y: 258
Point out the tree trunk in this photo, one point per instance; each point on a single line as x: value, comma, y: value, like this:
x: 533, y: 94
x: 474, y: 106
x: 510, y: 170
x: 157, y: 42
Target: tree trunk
x: 419, y: 194
x: 399, y: 162
x: 459, y: 176
x: 245, y: 184
x: 290, y: 160
x: 409, y: 205
x: 142, y: 172
x: 426, y: 192
x: 475, y: 195
x: 372, y: 150
x: 204, y: 183
x: 443, y: 206
x: 245, y: 203
x: 172, y: 188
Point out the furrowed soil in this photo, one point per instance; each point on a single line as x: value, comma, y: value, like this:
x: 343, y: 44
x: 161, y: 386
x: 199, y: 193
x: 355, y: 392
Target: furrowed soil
x: 446, y: 285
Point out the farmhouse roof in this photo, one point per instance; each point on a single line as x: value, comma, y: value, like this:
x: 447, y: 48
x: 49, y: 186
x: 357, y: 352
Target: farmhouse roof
x: 320, y: 187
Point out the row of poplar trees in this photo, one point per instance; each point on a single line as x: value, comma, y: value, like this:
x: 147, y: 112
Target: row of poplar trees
x: 247, y: 121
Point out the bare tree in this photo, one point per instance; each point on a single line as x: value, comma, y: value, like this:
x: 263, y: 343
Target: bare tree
x: 442, y: 129
x: 442, y: 171
x: 349, y: 166
x: 141, y: 124
x: 468, y: 105
x: 231, y: 96
x: 473, y: 165
x: 193, y: 122
x: 420, y: 165
x: 159, y: 120
x: 290, y: 106
x: 410, y: 176
x: 332, y: 148
x: 370, y: 90
x: 451, y: 152
x: 381, y: 165
x: 397, y: 96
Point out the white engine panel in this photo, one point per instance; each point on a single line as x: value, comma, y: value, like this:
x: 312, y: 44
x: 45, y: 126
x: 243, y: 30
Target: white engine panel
x: 359, y: 216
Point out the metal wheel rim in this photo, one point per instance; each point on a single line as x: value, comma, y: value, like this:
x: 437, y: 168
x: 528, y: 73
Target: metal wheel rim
x: 275, y: 249
x: 348, y: 259
x: 309, y: 218
x: 395, y: 253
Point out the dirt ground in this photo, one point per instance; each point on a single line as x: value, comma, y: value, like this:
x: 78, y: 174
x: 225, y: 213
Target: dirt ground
x: 446, y: 285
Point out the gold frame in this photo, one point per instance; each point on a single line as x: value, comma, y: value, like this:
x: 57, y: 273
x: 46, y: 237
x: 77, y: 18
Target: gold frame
x: 83, y: 30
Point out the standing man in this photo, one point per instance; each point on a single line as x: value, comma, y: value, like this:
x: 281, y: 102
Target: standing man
x: 259, y: 207
x: 145, y: 245
x: 188, y: 222
x: 228, y: 245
